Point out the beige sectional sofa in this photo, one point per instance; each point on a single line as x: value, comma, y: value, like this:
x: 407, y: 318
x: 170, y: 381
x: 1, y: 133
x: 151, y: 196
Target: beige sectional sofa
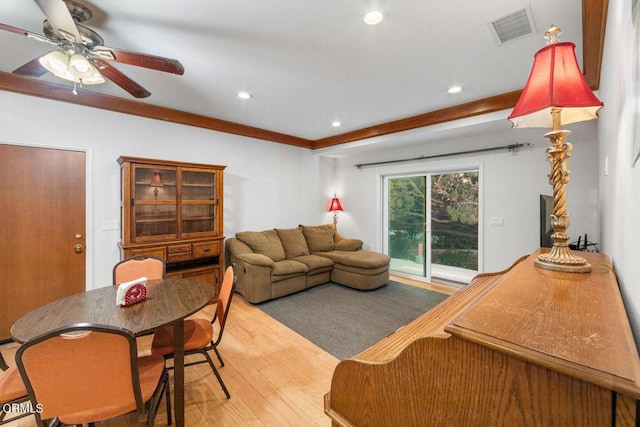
x: 278, y: 262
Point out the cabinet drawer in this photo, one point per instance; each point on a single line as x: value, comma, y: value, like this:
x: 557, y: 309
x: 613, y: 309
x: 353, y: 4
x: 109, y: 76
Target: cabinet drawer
x: 184, y: 256
x: 206, y: 249
x: 173, y: 249
x: 156, y: 252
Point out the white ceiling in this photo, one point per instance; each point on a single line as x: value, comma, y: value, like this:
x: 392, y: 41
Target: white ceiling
x: 309, y: 62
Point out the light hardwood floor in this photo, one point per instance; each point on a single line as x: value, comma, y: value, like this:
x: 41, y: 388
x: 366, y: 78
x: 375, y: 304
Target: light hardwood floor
x: 275, y: 376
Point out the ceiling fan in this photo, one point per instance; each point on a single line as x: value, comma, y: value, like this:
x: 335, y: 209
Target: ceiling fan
x: 81, y: 56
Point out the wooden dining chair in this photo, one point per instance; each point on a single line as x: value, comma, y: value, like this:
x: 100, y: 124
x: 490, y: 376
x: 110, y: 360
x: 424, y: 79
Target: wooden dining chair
x: 138, y: 266
x: 13, y: 394
x: 86, y: 373
x: 199, y: 335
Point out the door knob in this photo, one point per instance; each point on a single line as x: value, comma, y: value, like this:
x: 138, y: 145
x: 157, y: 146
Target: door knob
x: 78, y: 248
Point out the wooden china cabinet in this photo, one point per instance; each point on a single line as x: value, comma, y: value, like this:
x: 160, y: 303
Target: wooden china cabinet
x: 174, y: 211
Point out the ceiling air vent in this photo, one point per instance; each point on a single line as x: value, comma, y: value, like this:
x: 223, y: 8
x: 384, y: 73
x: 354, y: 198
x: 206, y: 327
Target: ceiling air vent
x: 513, y: 26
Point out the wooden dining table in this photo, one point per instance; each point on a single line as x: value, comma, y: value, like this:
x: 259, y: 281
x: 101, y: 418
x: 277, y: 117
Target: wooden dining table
x: 168, y: 301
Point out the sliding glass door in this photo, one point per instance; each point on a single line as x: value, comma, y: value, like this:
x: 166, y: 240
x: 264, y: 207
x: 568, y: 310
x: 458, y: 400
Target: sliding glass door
x: 431, y: 225
x: 406, y: 235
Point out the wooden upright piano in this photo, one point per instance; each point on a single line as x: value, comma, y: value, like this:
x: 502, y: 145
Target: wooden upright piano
x: 523, y: 347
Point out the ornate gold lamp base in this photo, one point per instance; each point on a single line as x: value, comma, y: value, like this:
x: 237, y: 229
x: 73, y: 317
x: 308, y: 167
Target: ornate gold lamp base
x: 560, y: 258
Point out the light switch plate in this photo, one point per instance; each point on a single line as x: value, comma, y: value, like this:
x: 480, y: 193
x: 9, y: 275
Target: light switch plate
x: 110, y: 225
x: 497, y: 221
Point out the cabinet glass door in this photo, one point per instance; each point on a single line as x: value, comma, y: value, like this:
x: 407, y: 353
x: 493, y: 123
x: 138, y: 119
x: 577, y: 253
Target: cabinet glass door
x: 154, y: 198
x: 199, y: 202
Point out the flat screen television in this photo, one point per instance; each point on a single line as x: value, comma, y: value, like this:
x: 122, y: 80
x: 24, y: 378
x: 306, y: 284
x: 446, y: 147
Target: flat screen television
x: 546, y: 230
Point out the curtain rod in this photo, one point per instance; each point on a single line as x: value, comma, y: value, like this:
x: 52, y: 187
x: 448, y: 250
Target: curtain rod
x: 510, y: 147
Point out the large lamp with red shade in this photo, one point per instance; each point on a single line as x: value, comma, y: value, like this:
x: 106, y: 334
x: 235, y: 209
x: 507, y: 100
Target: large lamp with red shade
x: 556, y: 94
x: 335, y: 207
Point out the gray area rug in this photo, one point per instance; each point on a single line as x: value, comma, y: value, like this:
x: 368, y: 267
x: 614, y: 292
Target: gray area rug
x: 345, y: 321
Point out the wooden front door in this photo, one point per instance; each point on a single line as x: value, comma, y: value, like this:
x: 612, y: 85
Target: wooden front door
x: 42, y: 228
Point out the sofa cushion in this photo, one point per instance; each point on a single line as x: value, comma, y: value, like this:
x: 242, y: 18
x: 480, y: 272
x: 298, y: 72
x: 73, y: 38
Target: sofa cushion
x: 359, y: 259
x: 293, y: 242
x: 288, y: 267
x: 316, y: 264
x: 319, y: 237
x: 263, y: 242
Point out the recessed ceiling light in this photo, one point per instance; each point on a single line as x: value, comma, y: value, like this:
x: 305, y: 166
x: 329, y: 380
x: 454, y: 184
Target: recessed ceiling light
x: 455, y: 89
x: 373, y: 18
x: 244, y: 95
x: 336, y: 124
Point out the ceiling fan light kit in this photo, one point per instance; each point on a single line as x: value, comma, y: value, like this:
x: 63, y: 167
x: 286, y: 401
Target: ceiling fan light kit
x: 79, y: 64
x: 56, y: 62
x: 84, y: 71
x: 81, y: 56
x: 75, y: 68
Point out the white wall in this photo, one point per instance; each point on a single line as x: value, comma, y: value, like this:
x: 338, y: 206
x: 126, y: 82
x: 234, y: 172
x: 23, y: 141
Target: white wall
x: 511, y: 184
x: 266, y: 185
x: 620, y: 189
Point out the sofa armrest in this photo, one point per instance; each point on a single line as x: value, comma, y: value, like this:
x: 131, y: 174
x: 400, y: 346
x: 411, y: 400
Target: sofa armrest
x: 255, y: 259
x: 349, y: 245
x: 253, y: 280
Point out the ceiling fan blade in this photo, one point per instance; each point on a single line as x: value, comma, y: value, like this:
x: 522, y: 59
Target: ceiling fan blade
x: 123, y: 81
x: 139, y: 59
x: 60, y: 19
x: 14, y: 29
x: 26, y: 33
x: 32, y: 68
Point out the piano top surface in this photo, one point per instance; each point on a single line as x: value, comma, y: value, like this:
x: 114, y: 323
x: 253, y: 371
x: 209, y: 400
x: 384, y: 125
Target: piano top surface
x: 574, y: 321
